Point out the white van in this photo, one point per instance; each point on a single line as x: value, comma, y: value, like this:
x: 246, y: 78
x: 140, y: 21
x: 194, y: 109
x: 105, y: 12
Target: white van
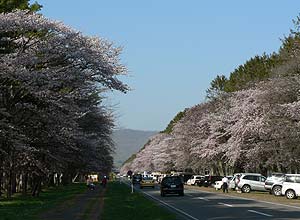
x: 193, y: 179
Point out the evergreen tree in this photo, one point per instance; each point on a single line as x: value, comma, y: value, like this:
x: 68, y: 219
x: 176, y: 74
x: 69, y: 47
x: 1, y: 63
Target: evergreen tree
x: 10, y: 5
x: 216, y: 87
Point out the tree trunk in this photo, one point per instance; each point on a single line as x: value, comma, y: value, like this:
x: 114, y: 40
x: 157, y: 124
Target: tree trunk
x: 1, y: 182
x: 8, y: 186
x: 24, y: 183
x: 36, y: 186
x: 51, y: 180
x: 13, y: 183
x: 65, y: 178
x: 39, y: 187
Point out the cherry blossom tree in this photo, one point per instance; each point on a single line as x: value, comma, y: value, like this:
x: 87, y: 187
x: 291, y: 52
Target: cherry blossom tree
x: 52, y: 119
x: 253, y: 130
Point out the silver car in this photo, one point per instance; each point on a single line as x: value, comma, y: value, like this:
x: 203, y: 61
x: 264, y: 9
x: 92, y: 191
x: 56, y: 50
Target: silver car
x: 273, y: 183
x: 252, y: 182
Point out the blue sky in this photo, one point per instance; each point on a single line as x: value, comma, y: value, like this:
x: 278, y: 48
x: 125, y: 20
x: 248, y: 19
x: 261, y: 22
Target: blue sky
x: 174, y: 48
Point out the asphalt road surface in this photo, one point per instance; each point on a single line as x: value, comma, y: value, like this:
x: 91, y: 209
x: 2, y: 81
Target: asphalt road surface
x: 199, y: 205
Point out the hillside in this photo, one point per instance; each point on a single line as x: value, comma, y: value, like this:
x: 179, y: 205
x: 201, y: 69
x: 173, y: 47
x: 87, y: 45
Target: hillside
x: 127, y: 142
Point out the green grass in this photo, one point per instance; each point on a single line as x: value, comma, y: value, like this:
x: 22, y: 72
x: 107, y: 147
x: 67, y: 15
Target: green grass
x: 27, y: 208
x: 121, y: 204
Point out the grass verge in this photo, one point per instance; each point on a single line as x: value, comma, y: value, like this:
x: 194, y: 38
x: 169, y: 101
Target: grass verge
x: 27, y: 208
x: 121, y: 204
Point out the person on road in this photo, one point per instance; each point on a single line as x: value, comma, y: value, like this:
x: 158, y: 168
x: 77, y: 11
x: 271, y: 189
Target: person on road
x: 104, y: 181
x: 225, y: 184
x: 89, y: 183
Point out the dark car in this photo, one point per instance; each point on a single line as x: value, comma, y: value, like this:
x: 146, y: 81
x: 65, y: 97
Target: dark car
x: 136, y: 178
x: 208, y: 180
x: 171, y: 185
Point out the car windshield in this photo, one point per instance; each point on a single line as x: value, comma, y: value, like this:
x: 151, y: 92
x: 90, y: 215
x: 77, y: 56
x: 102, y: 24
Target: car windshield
x: 277, y: 175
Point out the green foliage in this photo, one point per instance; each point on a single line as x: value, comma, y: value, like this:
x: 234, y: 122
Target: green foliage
x: 170, y: 126
x: 131, y: 158
x: 217, y: 86
x: 256, y: 69
x: 120, y: 203
x: 7, y: 45
x: 291, y: 44
x: 259, y: 68
x: 10, y: 5
x: 148, y: 142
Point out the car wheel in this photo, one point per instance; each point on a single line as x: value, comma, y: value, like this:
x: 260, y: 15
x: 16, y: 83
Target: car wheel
x: 290, y: 194
x: 141, y: 187
x: 276, y: 190
x: 246, y: 189
x: 181, y: 193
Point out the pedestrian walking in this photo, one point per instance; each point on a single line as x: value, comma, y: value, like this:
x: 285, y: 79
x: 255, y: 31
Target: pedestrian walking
x: 104, y: 181
x: 89, y: 183
x: 225, y: 184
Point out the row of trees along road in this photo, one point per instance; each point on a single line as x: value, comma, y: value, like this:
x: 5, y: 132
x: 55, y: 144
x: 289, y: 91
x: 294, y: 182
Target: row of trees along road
x: 250, y: 122
x: 52, y: 120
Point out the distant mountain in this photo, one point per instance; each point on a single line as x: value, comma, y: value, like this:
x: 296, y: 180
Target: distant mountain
x: 128, y: 142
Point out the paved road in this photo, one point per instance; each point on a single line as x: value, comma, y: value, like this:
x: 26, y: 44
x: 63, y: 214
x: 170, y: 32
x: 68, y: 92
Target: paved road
x: 199, y: 205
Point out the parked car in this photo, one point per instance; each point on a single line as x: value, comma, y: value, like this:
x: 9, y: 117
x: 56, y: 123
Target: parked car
x: 147, y: 182
x: 171, y: 185
x: 193, y: 179
x: 291, y: 186
x: 209, y: 180
x: 218, y: 184
x: 273, y: 183
x: 252, y: 182
x: 136, y: 178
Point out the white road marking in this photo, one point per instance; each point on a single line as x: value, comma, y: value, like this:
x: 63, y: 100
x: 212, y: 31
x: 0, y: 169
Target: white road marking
x: 260, y: 213
x: 221, y: 203
x: 170, y: 206
x: 202, y: 198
